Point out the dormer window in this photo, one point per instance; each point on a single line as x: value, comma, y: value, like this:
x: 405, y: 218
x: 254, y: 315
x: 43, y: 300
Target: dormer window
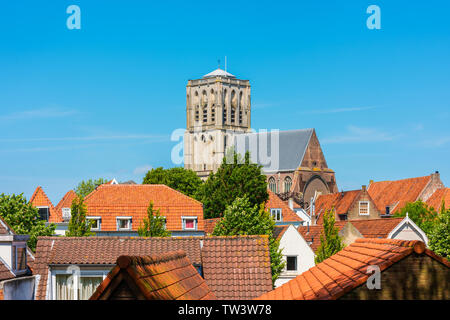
x: 189, y: 223
x: 66, y: 214
x: 276, y: 214
x: 96, y: 223
x: 43, y: 213
x: 123, y: 223
x: 364, y: 208
x: 19, y: 258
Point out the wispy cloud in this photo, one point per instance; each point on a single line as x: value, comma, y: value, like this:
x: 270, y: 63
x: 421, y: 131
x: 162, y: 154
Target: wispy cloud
x: 436, y: 143
x: 142, y: 169
x: 38, y: 114
x: 337, y: 110
x: 356, y: 134
x: 92, y: 138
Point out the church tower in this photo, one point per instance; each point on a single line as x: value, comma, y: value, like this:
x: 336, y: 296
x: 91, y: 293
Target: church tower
x: 217, y: 108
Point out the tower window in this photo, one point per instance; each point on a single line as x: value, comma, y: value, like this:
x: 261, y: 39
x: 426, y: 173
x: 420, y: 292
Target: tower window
x: 224, y: 115
x: 233, y: 111
x: 205, y: 115
x: 213, y: 114
x: 197, y: 115
x: 240, y: 116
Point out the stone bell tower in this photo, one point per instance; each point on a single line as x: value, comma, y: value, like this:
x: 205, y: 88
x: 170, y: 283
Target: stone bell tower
x: 217, y: 108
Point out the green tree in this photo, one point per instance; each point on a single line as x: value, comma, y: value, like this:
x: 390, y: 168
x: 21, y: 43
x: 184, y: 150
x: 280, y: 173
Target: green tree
x: 87, y: 186
x: 440, y: 234
x: 23, y: 218
x: 79, y: 226
x: 235, y: 178
x: 178, y: 178
x: 154, y: 224
x: 330, y: 241
x: 422, y: 215
x: 243, y: 218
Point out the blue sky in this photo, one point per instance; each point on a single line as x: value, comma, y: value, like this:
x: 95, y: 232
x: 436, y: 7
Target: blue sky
x: 102, y: 101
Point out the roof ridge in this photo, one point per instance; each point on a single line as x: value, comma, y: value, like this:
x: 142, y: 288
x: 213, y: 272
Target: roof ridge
x: 124, y: 261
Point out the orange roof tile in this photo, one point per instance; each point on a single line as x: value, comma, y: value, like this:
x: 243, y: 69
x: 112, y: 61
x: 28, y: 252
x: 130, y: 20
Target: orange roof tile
x: 347, y: 269
x: 274, y: 202
x: 40, y: 199
x: 397, y: 193
x: 340, y: 201
x: 65, y: 202
x: 109, y: 201
x: 438, y: 196
x: 168, y: 276
x: 210, y: 224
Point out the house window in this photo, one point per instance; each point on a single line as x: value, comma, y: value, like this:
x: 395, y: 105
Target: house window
x: 189, y: 223
x: 272, y: 185
x: 96, y: 223
x: 287, y: 184
x: 276, y: 214
x: 19, y: 258
x: 291, y: 263
x: 76, y: 286
x: 364, y: 208
x: 66, y: 214
x: 43, y: 213
x: 123, y: 223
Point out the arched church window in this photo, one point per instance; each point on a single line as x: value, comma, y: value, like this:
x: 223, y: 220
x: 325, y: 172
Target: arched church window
x: 287, y: 184
x: 240, y: 116
x: 224, y: 115
x: 213, y: 113
x: 233, y: 99
x: 272, y: 185
x: 205, y: 114
x: 197, y: 114
x: 233, y: 112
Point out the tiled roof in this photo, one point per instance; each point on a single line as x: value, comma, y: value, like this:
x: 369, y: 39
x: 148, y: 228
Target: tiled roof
x: 233, y: 266
x: 4, y: 227
x: 340, y: 201
x: 312, y: 235
x: 66, y: 202
x: 278, y: 231
x: 40, y: 199
x: 397, y: 193
x: 347, y: 269
x: 274, y: 202
x: 210, y: 224
x: 376, y: 228
x: 5, y: 272
x: 435, y: 200
x: 168, y: 276
x: 109, y: 201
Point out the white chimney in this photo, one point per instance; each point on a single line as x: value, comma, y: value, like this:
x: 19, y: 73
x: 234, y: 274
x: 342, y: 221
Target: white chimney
x: 291, y: 203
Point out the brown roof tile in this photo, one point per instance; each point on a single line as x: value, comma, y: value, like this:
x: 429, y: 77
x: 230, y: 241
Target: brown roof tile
x: 168, y: 276
x: 347, y: 269
x: 234, y: 267
x: 339, y: 201
x: 210, y: 224
x: 5, y: 272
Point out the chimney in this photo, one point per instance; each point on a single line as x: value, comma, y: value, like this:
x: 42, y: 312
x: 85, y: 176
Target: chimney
x: 363, y: 188
x: 291, y: 203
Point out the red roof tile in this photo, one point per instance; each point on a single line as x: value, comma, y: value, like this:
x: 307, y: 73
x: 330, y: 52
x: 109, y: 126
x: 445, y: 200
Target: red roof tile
x: 347, y: 269
x: 5, y: 272
x: 340, y: 201
x: 109, y: 201
x: 438, y: 196
x: 274, y: 202
x: 235, y: 267
x: 397, y: 193
x: 168, y: 276
x: 376, y: 228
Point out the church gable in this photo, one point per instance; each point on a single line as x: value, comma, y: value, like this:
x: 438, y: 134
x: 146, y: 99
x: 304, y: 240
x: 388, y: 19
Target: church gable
x: 313, y: 157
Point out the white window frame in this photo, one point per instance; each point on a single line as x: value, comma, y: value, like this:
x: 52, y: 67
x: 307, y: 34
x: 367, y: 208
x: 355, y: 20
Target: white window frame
x: 183, y: 222
x: 368, y: 208
x: 76, y: 279
x: 273, y: 213
x: 124, y: 218
x: 99, y: 222
x: 66, y: 210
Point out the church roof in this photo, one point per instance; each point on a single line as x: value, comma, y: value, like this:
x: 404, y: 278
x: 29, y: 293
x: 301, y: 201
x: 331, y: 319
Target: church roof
x: 292, y: 145
x: 219, y: 73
